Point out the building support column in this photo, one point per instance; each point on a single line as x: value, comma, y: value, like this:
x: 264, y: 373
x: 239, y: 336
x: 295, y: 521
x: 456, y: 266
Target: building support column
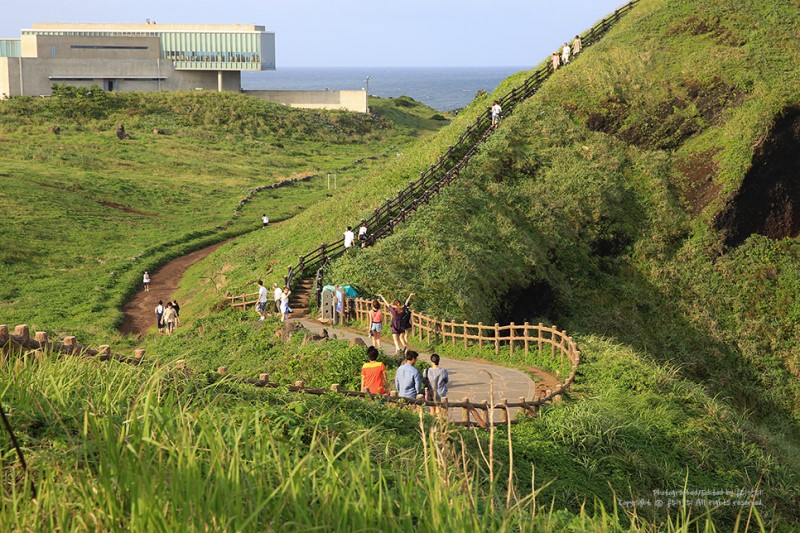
x: 219, y: 81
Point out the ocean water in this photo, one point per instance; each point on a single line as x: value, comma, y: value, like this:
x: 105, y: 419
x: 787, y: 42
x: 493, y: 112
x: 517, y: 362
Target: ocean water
x: 442, y: 88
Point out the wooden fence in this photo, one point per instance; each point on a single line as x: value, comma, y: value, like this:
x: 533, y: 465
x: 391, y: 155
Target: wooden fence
x: 21, y: 342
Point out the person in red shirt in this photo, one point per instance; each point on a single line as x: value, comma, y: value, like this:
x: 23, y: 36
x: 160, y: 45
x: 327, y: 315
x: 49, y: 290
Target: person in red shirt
x: 373, y: 374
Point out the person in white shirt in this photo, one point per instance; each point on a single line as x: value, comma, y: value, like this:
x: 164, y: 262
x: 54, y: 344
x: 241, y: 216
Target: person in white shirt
x: 276, y: 297
x: 565, y: 54
x: 496, y: 111
x: 264, y: 221
x: 146, y: 281
x: 261, y: 306
x: 362, y: 233
x: 159, y: 316
x: 349, y: 237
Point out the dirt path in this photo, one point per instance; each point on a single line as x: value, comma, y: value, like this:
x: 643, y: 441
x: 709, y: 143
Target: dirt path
x: 139, y: 312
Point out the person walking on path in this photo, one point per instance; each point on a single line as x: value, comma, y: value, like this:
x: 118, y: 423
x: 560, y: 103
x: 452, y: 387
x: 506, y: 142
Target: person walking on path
x: 576, y: 45
x: 349, y: 237
x: 554, y: 60
x: 436, y: 379
x: 398, y: 328
x: 261, y: 305
x: 496, y: 112
x: 407, y: 380
x: 376, y: 323
x: 264, y: 220
x: 565, y: 54
x: 277, y: 293
x: 160, y: 316
x: 146, y: 281
x: 177, y: 309
x: 285, y: 309
x: 373, y: 374
x: 406, y: 319
x: 169, y: 318
x: 362, y: 233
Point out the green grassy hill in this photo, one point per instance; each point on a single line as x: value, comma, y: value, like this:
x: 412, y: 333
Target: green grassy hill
x: 621, y: 203
x: 97, y: 211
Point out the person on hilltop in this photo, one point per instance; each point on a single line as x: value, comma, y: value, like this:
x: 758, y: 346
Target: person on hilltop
x: 349, y: 237
x: 373, y: 374
x: 436, y: 380
x: 554, y: 59
x: 565, y: 54
x: 285, y: 309
x: 396, y: 310
x: 264, y: 220
x: 261, y: 305
x: 160, y: 316
x: 146, y: 281
x: 277, y: 292
x: 576, y: 45
x: 496, y: 111
x: 376, y: 324
x: 407, y: 380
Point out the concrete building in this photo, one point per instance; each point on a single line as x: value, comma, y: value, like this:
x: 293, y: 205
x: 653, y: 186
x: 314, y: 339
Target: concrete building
x: 133, y: 57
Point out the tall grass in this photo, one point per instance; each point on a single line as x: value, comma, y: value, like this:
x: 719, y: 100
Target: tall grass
x: 114, y: 448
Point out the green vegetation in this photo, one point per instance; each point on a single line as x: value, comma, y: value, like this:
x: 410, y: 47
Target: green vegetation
x: 98, y: 210
x: 600, y: 205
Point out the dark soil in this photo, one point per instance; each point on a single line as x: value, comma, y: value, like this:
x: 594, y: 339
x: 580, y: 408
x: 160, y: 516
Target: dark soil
x: 698, y: 186
x: 664, y: 124
x: 768, y: 201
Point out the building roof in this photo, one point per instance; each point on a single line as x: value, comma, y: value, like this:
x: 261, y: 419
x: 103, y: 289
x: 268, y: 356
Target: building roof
x: 151, y: 27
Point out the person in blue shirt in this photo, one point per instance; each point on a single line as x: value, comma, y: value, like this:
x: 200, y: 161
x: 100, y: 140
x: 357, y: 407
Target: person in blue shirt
x: 407, y: 380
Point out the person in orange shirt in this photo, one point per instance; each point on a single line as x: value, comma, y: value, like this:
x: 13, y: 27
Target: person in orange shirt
x: 373, y: 374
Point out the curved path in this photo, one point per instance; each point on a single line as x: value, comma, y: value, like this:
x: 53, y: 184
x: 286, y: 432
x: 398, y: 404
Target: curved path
x: 139, y: 314
x: 468, y: 379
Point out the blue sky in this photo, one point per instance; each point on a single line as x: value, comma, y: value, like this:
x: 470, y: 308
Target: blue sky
x: 356, y: 33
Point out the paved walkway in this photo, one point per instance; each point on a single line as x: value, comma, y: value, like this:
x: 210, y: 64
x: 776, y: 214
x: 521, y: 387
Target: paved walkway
x: 468, y: 379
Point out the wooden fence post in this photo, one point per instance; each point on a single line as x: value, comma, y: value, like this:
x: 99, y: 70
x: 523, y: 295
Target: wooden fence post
x: 138, y: 354
x: 465, y: 410
x: 465, y: 334
x: 480, y: 334
x: 553, y: 331
x: 525, y: 333
x: 497, y: 338
x: 22, y: 331
x: 222, y: 370
x: 264, y: 377
x: 541, y: 331
x: 41, y: 337
x: 511, y: 339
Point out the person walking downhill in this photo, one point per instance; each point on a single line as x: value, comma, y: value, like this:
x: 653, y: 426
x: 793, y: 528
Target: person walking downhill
x: 576, y: 45
x: 437, y: 379
x: 565, y: 54
x: 261, y: 305
x: 554, y: 59
x: 285, y: 309
x: 407, y: 380
x: 373, y: 374
x: 396, y: 310
x: 264, y: 220
x: 376, y: 323
x: 146, y: 281
x: 277, y: 293
x: 160, y: 316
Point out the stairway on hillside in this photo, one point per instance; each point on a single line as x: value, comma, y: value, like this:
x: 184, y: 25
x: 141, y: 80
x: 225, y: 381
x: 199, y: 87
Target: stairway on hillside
x: 300, y: 300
